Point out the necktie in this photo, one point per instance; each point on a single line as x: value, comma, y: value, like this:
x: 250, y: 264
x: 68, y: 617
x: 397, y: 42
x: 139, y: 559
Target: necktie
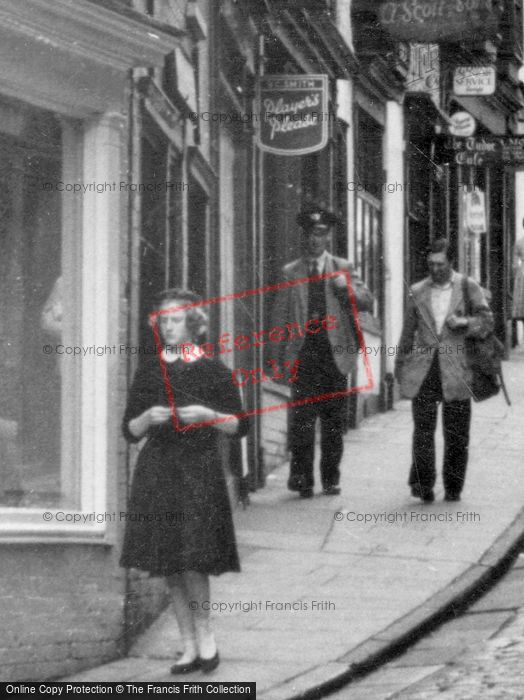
x: 316, y: 301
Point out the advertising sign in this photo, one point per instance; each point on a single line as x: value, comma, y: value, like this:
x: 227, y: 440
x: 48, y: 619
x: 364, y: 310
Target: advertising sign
x: 474, y: 80
x: 424, y: 70
x: 462, y: 124
x: 486, y: 150
x: 293, y: 114
x: 438, y: 20
x: 476, y: 211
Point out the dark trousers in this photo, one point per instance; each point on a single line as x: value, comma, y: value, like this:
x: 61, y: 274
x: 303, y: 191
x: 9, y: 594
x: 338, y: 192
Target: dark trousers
x: 456, y: 416
x: 317, y: 375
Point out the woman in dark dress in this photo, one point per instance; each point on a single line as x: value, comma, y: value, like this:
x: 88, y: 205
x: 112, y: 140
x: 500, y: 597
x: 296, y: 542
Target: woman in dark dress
x: 179, y: 522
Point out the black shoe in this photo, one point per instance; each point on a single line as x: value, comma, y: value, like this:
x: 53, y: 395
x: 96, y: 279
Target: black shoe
x: 426, y: 496
x: 331, y: 490
x: 306, y: 493
x: 187, y: 667
x: 452, y: 496
x: 208, y: 665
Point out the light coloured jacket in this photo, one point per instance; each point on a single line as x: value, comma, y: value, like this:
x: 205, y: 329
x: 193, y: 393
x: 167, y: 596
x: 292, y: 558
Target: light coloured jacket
x: 291, y: 305
x: 419, y: 340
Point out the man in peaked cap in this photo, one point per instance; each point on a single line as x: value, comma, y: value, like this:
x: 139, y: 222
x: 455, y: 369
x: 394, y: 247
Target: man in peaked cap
x: 320, y: 370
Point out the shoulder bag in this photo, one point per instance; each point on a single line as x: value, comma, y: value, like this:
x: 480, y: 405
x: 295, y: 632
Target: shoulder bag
x: 484, y: 358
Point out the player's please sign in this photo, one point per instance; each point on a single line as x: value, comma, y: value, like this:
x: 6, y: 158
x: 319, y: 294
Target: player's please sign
x: 293, y: 114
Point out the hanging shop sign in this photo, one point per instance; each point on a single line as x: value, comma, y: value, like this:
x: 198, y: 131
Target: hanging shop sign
x: 476, y: 211
x: 424, y: 70
x: 293, y: 114
x: 462, y: 124
x: 438, y: 20
x: 474, y: 80
x: 485, y: 150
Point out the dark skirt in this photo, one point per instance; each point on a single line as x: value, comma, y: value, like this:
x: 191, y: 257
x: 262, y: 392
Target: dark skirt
x: 179, y: 514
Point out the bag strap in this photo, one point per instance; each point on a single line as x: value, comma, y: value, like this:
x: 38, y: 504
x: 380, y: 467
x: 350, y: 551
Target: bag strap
x: 467, y: 303
x: 465, y: 294
x: 503, y: 387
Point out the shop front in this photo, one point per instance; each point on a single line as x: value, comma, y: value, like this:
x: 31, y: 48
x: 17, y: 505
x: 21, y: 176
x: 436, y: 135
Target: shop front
x: 462, y: 100
x: 64, y: 103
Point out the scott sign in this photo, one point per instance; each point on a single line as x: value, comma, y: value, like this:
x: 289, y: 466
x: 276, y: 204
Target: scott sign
x: 438, y: 20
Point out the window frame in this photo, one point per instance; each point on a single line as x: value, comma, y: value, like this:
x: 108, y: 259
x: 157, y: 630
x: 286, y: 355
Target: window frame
x: 92, y: 152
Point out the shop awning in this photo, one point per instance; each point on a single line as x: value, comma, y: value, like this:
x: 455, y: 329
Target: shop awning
x: 309, y: 32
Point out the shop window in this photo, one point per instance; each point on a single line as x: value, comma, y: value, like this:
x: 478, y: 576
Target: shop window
x: 153, y: 240
x: 369, y: 164
x: 340, y: 179
x: 368, y: 244
x: 197, y: 239
x: 369, y: 186
x: 31, y: 308
x: 160, y: 254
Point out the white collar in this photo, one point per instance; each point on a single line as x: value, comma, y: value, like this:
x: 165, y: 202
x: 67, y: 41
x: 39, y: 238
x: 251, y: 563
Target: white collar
x: 188, y: 357
x: 320, y: 261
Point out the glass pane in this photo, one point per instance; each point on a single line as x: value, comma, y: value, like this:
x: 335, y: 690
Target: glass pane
x: 367, y: 259
x: 358, y: 241
x: 376, y: 252
x: 30, y: 307
x: 153, y: 248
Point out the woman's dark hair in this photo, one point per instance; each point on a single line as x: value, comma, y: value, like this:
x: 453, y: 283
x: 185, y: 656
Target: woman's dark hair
x: 440, y: 245
x: 196, y: 317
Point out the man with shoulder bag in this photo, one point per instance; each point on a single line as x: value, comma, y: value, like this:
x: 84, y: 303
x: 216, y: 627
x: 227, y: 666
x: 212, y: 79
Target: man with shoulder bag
x: 445, y: 314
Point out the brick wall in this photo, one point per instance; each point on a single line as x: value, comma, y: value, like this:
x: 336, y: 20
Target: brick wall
x: 61, y: 608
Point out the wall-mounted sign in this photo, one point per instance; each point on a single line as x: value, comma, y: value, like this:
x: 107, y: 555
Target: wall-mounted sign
x: 438, y: 20
x: 293, y: 114
x: 424, y: 70
x: 474, y: 80
x: 476, y: 211
x: 485, y: 150
x: 462, y: 124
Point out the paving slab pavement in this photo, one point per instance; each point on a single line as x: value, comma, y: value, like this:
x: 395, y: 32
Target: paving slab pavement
x: 475, y: 656
x: 333, y: 585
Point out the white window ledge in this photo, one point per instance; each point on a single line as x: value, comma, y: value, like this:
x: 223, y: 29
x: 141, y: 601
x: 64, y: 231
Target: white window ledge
x: 19, y: 525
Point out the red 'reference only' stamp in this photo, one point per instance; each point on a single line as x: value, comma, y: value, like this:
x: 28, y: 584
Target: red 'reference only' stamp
x: 285, y: 372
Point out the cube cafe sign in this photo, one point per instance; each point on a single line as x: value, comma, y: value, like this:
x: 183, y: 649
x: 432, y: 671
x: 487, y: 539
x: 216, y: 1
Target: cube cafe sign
x: 438, y: 20
x: 292, y: 117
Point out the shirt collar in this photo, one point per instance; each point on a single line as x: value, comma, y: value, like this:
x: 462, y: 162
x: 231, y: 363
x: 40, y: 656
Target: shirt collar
x: 191, y: 355
x: 320, y: 261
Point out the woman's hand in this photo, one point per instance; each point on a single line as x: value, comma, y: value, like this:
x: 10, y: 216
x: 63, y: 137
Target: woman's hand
x: 195, y: 414
x: 201, y: 414
x: 156, y: 415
